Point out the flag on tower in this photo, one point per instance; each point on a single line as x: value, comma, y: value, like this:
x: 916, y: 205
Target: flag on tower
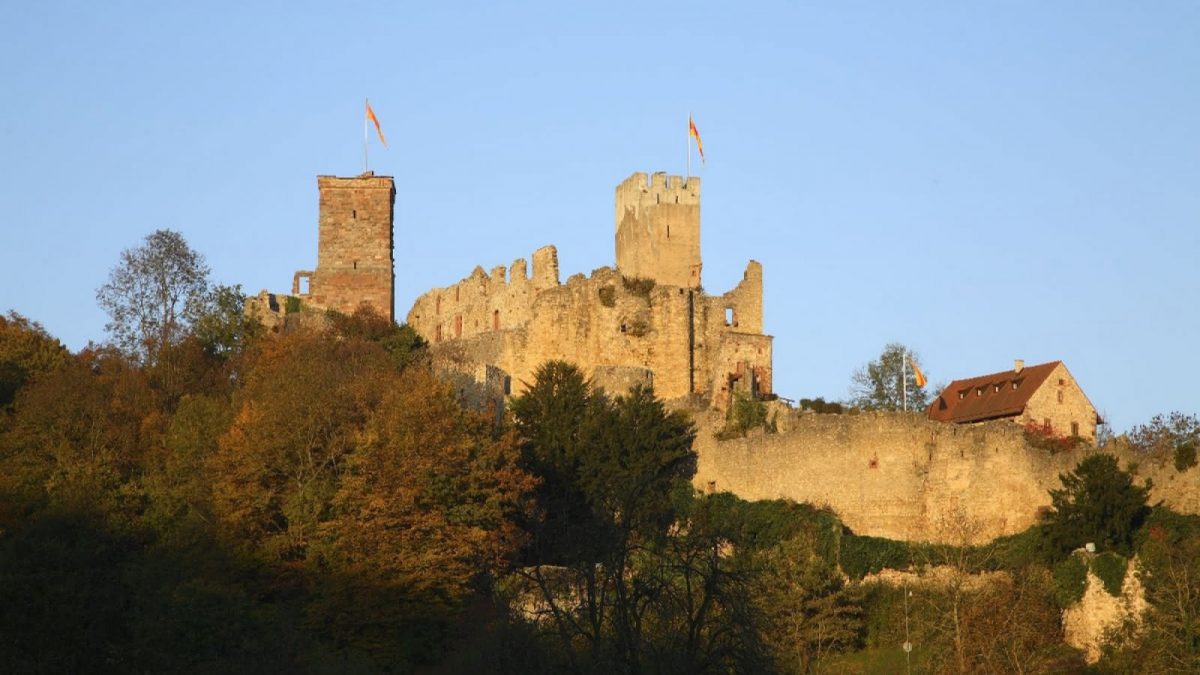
x: 695, y: 133
x: 917, y: 374
x: 371, y: 116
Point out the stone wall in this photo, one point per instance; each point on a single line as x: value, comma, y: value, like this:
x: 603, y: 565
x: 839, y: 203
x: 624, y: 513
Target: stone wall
x: 902, y: 476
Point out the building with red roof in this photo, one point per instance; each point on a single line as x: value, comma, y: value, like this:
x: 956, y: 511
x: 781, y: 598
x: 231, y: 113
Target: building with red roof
x: 1045, y: 395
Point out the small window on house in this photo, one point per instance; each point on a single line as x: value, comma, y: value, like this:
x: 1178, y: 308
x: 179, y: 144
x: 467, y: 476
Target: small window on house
x: 997, y: 389
x: 668, y: 232
x: 1061, y: 381
x: 1014, y: 385
x: 962, y: 395
x: 353, y: 214
x: 1060, y: 396
x: 728, y: 316
x: 496, y: 319
x: 979, y: 391
x: 657, y: 199
x: 456, y: 290
x: 1074, y: 428
x: 355, y: 264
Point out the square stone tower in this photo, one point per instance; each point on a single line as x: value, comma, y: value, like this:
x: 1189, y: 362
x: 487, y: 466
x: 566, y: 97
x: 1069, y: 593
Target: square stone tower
x: 354, y: 245
x: 658, y: 229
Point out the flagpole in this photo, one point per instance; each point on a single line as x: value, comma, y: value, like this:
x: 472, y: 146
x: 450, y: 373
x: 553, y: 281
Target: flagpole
x: 904, y: 376
x: 366, y: 103
x: 688, y: 137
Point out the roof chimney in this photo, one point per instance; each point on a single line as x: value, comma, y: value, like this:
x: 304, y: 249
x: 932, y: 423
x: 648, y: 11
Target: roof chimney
x: 1018, y: 365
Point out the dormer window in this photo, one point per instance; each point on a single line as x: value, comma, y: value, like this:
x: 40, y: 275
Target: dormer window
x: 979, y: 391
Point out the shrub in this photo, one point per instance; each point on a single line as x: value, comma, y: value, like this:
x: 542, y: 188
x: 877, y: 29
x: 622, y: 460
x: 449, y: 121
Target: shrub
x: 744, y: 414
x: 1037, y: 436
x: 820, y: 405
x: 1070, y: 581
x: 638, y: 286
x: 608, y: 296
x: 1185, y: 457
x: 1110, y: 568
x: 860, y: 556
x: 292, y: 304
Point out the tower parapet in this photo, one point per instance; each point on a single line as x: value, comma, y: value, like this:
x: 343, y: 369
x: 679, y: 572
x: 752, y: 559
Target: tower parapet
x: 658, y: 229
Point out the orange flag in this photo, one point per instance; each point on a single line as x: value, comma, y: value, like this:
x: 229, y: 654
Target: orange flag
x: 371, y: 116
x: 695, y: 133
x: 917, y: 374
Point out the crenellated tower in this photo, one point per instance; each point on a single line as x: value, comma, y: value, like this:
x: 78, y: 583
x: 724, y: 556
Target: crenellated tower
x: 658, y: 229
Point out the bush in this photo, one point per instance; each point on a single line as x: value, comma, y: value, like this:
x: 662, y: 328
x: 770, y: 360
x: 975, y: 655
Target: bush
x: 820, y: 406
x: 292, y: 304
x: 744, y: 414
x: 1037, y: 436
x: 1185, y: 457
x: 637, y: 286
x: 861, y: 556
x: 1070, y: 581
x: 1110, y: 568
x: 608, y: 296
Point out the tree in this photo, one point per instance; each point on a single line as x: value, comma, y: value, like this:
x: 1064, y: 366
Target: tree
x: 220, y: 323
x: 1097, y: 503
x: 608, y: 469
x: 26, y: 351
x: 878, y: 384
x: 1176, y: 434
x: 152, y: 293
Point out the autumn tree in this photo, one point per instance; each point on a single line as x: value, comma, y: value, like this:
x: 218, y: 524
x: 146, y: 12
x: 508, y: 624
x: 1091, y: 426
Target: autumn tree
x: 426, y: 509
x: 26, y: 352
x: 882, y: 383
x: 300, y: 411
x: 152, y: 294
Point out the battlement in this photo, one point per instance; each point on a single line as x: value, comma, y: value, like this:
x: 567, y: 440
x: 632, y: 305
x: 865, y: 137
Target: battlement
x: 658, y: 228
x: 657, y: 188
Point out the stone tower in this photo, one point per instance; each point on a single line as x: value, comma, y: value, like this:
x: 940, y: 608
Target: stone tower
x: 658, y: 229
x: 354, y: 245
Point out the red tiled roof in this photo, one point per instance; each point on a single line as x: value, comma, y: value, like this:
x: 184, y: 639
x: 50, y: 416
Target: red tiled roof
x: 989, y: 396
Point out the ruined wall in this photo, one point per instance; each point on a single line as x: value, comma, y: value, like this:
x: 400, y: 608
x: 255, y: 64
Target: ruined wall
x: 484, y: 302
x: 1061, y: 402
x: 354, y: 245
x: 658, y: 229
x: 901, y: 476
x: 615, y: 330
x: 733, y: 352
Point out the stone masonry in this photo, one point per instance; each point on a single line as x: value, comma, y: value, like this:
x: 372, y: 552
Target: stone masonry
x: 645, y: 321
x: 354, y: 246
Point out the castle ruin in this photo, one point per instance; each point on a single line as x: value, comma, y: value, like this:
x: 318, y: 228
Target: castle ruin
x: 646, y: 321
x: 355, y: 265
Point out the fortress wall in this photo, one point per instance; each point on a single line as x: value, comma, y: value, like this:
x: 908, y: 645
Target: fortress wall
x: 891, y: 475
x: 902, y: 476
x: 484, y: 302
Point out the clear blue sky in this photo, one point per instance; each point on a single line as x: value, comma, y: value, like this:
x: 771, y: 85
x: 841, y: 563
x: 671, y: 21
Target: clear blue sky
x: 981, y: 181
